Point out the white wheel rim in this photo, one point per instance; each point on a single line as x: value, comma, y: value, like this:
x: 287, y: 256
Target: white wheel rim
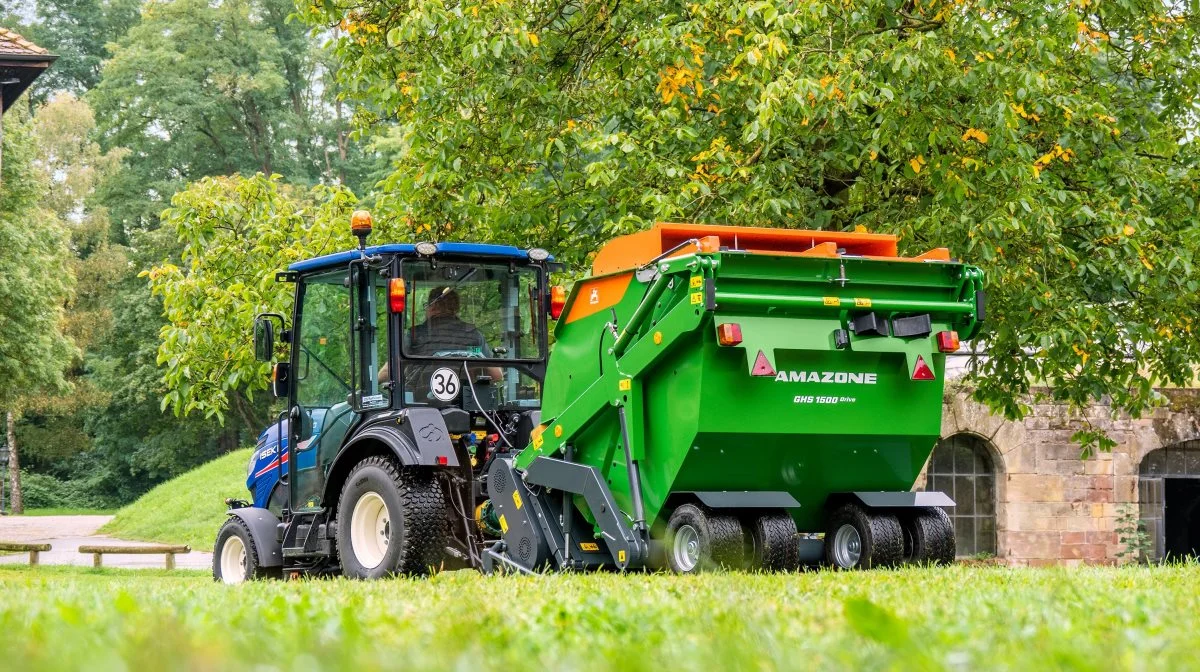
x: 686, y: 548
x: 370, y: 530
x: 233, y: 560
x: 847, y: 547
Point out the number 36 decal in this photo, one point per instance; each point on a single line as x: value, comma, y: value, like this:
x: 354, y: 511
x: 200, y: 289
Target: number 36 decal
x: 444, y: 384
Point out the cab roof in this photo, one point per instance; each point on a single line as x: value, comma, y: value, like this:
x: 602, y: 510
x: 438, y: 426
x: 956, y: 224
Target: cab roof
x: 504, y: 252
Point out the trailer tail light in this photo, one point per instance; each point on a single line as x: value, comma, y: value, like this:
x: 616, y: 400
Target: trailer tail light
x: 558, y: 300
x: 729, y: 333
x: 442, y: 460
x: 922, y: 371
x: 396, y: 295
x: 947, y: 341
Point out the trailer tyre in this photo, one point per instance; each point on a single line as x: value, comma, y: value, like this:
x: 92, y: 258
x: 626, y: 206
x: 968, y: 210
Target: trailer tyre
x: 235, y: 557
x: 856, y: 538
x: 390, y: 521
x: 928, y: 536
x: 773, y: 546
x: 698, y: 540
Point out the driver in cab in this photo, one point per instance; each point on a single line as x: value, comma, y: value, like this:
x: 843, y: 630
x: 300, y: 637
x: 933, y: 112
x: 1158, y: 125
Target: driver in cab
x: 444, y: 332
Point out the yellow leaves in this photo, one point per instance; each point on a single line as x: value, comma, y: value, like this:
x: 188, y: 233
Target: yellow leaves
x: 973, y: 164
x: 874, y: 155
x: 713, y: 109
x: 950, y: 55
x: 1083, y: 355
x: 753, y: 57
x: 1145, y: 261
x: 916, y: 163
x: 1128, y: 230
x: 975, y: 134
x: 1057, y: 153
x: 732, y: 32
x: 1020, y: 112
x: 671, y: 82
x: 533, y: 39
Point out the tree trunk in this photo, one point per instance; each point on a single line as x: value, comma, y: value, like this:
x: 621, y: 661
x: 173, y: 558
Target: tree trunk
x: 14, y: 468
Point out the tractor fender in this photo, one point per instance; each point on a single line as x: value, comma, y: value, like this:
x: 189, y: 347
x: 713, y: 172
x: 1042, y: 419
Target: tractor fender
x: 264, y: 528
x: 417, y: 438
x: 892, y: 500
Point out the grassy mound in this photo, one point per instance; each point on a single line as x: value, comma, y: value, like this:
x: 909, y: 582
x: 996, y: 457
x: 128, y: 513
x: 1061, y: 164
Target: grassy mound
x: 187, y: 509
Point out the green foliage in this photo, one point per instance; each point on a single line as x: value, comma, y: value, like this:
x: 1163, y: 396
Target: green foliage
x: 1136, y: 544
x: 77, y: 31
x: 33, y: 287
x: 42, y: 491
x: 187, y: 509
x: 236, y: 234
x: 996, y: 618
x: 1049, y: 143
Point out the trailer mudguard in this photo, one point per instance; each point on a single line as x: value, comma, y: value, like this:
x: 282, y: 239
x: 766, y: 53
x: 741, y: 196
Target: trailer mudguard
x: 901, y: 500
x: 264, y: 528
x: 747, y: 500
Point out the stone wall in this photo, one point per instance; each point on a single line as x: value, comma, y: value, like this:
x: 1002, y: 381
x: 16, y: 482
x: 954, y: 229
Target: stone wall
x: 1054, y: 507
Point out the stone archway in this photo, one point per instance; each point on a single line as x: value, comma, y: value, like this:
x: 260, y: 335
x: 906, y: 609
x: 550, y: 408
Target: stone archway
x: 964, y: 466
x: 1169, y: 499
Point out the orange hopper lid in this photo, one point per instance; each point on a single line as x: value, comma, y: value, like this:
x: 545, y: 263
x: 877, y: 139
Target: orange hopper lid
x: 638, y: 249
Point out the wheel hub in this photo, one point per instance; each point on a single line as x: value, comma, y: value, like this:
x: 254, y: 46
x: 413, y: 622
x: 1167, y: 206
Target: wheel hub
x: 847, y: 547
x: 370, y: 530
x: 233, y: 560
x: 686, y: 548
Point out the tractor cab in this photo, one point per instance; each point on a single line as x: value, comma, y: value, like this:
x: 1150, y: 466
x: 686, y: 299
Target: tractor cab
x: 428, y: 355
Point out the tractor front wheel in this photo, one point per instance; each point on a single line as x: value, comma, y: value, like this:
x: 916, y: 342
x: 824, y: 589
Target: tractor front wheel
x: 698, y: 540
x: 857, y: 538
x: 235, y: 558
x: 390, y: 521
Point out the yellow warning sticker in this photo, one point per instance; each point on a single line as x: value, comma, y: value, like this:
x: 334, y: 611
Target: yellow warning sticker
x: 503, y: 524
x: 658, y: 338
x: 517, y: 499
x: 697, y: 298
x: 696, y: 281
x: 621, y: 556
x: 625, y: 384
x: 832, y: 301
x: 589, y: 546
x: 538, y: 441
x: 862, y: 303
x: 558, y: 430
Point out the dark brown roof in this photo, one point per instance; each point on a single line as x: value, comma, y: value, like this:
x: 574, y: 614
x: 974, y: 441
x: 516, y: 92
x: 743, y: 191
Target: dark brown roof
x: 12, y: 44
x: 21, y: 61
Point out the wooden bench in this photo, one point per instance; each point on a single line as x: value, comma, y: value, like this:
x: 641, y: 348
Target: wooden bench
x: 32, y: 549
x: 99, y: 551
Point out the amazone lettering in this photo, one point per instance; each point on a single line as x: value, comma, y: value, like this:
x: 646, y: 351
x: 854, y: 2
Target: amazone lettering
x: 838, y: 377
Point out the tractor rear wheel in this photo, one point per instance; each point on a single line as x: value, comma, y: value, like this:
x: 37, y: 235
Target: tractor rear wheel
x: 698, y: 540
x: 235, y: 558
x: 390, y: 521
x: 928, y: 536
x: 856, y: 538
x: 772, y: 544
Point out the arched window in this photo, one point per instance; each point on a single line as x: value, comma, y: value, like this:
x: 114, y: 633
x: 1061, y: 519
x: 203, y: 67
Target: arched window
x: 1169, y: 499
x: 961, y: 467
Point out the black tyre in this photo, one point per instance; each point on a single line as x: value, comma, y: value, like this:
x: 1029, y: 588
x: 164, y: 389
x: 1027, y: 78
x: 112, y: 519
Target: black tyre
x: 928, y: 536
x: 235, y: 557
x: 390, y: 521
x: 772, y: 544
x: 698, y: 539
x: 856, y: 538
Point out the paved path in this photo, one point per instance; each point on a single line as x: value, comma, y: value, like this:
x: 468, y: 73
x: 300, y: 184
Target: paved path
x: 67, y: 533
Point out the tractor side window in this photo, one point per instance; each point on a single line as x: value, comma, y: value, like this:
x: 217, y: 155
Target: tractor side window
x: 323, y: 378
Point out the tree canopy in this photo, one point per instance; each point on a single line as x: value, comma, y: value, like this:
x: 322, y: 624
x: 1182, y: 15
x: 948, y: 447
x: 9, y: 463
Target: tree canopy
x: 1050, y: 143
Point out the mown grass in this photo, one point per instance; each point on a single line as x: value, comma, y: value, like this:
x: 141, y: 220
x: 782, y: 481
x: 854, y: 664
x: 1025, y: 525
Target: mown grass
x: 951, y: 618
x: 187, y: 509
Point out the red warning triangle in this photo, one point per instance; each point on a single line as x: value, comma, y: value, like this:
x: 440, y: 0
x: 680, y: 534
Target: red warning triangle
x: 761, y: 366
x: 922, y: 371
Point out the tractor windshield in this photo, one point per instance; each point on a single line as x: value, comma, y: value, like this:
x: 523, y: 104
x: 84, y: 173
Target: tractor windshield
x: 458, y: 312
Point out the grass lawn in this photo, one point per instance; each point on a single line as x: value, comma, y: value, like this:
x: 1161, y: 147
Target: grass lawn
x: 188, y: 509
x: 952, y: 618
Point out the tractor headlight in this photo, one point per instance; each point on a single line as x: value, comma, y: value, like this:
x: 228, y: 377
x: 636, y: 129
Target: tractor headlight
x: 538, y: 254
x: 250, y: 467
x: 426, y: 249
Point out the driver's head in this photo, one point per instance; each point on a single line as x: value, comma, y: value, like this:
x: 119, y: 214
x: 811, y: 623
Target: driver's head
x: 442, y: 302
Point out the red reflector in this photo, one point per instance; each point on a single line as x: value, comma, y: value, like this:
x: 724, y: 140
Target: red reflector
x: 558, y: 299
x: 729, y: 333
x: 396, y: 295
x: 922, y: 371
x: 443, y: 460
x: 947, y: 341
x: 761, y: 366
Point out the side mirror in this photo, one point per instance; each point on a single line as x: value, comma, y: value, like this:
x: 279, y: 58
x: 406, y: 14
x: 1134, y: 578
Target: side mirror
x: 264, y: 339
x: 281, y: 378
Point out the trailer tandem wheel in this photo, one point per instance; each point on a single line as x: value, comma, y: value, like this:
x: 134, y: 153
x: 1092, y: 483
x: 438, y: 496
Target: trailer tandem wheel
x: 928, y: 536
x: 772, y: 545
x: 859, y: 538
x: 698, y: 539
x: 391, y: 520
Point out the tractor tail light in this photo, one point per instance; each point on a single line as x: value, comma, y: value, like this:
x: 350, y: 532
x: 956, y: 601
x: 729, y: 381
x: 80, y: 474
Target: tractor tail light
x: 922, y: 371
x: 558, y: 300
x: 729, y: 334
x: 396, y: 295
x: 947, y: 341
